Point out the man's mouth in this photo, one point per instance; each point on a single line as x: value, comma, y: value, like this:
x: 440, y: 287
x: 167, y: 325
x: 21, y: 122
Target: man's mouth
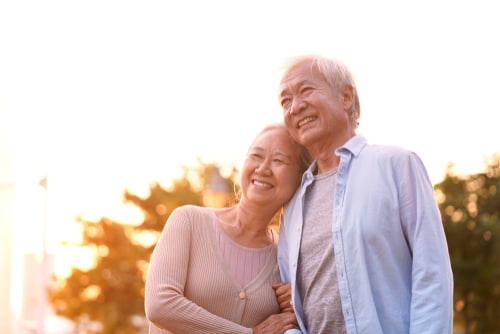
x: 305, y: 121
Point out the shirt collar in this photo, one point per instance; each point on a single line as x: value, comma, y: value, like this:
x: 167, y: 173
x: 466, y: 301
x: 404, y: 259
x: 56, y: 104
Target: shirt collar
x: 353, y: 145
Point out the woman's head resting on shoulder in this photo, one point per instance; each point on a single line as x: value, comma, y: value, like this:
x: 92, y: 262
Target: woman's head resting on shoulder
x: 273, y: 167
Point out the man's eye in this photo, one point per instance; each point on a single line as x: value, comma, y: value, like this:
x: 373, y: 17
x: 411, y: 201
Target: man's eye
x: 306, y: 90
x: 256, y: 155
x: 285, y: 103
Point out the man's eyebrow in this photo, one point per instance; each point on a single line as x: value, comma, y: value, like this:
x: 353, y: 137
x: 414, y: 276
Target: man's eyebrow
x: 299, y: 84
x: 282, y: 92
x: 256, y: 148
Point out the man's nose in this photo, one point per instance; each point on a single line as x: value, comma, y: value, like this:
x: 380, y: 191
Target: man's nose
x: 297, y: 106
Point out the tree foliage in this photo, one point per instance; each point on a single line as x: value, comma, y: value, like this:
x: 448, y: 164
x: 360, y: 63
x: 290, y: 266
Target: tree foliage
x: 470, y: 209
x: 109, y: 297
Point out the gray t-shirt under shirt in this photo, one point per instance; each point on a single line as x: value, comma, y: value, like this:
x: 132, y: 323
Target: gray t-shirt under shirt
x: 317, y: 276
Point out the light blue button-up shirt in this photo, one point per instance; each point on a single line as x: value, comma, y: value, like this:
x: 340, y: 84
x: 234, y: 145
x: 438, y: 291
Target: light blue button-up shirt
x: 393, y: 266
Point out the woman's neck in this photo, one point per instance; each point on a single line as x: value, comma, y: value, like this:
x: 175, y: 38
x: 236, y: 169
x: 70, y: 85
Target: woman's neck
x: 249, y: 228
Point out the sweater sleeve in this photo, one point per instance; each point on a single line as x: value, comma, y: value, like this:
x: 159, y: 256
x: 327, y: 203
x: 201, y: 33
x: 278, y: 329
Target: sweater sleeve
x: 165, y: 304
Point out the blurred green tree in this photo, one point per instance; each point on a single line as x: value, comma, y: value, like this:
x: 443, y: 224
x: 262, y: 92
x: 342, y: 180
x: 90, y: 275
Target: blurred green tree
x: 108, y: 298
x: 470, y: 209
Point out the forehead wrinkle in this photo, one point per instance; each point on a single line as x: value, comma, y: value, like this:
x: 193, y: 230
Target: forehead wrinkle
x: 256, y: 147
x: 274, y: 152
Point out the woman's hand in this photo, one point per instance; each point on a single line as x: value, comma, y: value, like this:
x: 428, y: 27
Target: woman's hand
x: 276, y: 324
x: 283, y: 293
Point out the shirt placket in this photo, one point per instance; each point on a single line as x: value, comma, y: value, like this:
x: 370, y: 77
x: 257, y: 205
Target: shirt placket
x: 338, y: 244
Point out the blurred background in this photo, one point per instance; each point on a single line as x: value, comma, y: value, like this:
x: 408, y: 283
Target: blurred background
x: 112, y: 113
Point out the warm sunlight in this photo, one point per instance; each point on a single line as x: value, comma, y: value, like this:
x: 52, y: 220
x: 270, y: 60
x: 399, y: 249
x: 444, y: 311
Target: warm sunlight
x: 104, y: 96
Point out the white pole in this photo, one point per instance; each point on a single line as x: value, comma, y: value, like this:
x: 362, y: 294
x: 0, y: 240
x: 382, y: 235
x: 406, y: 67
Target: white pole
x: 43, y: 275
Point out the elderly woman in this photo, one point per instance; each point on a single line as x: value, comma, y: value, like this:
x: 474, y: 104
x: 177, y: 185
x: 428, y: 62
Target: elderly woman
x: 215, y: 270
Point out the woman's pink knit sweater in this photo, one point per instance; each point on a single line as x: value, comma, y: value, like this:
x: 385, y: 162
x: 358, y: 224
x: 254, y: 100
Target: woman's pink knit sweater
x: 189, y: 288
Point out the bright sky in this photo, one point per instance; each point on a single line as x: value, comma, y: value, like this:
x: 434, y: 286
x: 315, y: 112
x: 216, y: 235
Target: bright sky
x: 107, y: 95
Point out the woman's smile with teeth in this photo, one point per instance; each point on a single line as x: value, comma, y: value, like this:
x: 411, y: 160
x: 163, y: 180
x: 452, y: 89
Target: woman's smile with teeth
x: 305, y: 121
x: 261, y: 184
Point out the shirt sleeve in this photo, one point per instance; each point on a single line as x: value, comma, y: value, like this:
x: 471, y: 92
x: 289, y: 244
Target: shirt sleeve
x: 293, y: 331
x: 432, y: 280
x: 165, y: 304
x: 283, y: 254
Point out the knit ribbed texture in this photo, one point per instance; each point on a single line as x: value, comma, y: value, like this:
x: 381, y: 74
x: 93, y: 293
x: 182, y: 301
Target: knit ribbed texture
x: 244, y: 263
x: 189, y: 287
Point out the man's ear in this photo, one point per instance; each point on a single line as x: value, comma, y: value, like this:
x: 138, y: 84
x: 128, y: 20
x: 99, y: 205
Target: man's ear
x: 348, y: 97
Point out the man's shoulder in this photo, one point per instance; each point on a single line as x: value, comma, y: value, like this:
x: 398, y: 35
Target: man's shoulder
x: 384, y: 156
x: 386, y: 150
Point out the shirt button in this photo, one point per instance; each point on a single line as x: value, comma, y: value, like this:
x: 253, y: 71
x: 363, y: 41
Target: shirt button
x: 242, y: 295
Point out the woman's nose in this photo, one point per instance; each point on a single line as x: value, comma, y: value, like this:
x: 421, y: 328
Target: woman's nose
x: 264, y: 167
